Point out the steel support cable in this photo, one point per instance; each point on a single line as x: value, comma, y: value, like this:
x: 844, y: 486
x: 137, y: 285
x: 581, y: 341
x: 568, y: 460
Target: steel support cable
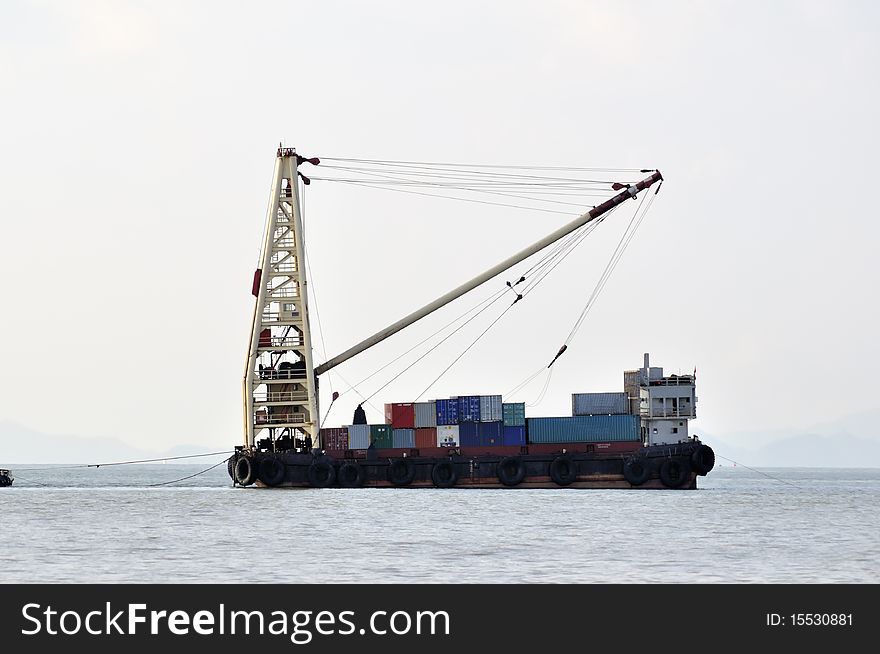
x: 479, y: 179
x: 492, y: 297
x: 495, y: 296
x: 543, y: 392
x: 438, y: 344
x: 391, y: 162
x: 174, y: 481
x: 465, y: 188
x: 472, y: 175
x: 624, y: 242
x: 474, y: 342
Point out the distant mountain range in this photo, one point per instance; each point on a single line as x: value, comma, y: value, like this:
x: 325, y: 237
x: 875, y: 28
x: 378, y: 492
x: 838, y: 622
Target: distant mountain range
x: 19, y: 444
x: 850, y: 442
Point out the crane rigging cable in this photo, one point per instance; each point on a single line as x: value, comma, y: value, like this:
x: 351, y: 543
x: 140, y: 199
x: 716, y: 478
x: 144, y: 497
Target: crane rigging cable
x: 542, y: 189
x: 564, y: 246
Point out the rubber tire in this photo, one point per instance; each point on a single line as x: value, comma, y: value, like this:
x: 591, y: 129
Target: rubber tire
x: 321, y: 474
x: 245, y: 471
x: 703, y: 460
x: 404, y: 476
x: 636, y: 471
x: 344, y: 478
x: 510, y: 477
x: 674, y: 472
x: 272, y: 471
x: 444, y: 479
x: 563, y: 470
x: 230, y: 466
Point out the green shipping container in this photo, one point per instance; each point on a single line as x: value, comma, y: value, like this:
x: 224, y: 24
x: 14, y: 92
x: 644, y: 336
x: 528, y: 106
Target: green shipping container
x: 381, y: 436
x: 514, y: 414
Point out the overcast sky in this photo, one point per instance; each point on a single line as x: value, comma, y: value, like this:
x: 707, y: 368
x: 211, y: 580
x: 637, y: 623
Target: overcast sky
x: 137, y: 143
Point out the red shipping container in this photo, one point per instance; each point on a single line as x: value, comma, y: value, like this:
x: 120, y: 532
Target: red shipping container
x: 426, y: 437
x: 401, y: 415
x: 334, y: 438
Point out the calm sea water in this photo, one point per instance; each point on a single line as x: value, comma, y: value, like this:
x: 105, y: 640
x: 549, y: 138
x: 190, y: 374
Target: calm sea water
x: 104, y: 525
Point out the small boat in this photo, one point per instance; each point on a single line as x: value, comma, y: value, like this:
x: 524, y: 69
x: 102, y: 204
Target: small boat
x: 6, y: 478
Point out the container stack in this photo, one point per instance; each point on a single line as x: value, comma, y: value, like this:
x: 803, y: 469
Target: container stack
x: 487, y: 421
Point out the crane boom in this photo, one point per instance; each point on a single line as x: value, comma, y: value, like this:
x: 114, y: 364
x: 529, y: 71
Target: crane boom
x: 629, y: 192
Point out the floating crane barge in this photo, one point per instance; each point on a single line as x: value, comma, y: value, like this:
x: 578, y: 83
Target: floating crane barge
x: 647, y: 444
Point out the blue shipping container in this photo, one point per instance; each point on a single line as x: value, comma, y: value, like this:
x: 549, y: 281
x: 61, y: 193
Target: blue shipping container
x: 490, y: 432
x: 468, y: 434
x: 403, y: 438
x: 514, y: 435
x: 514, y: 414
x: 469, y: 408
x: 447, y: 412
x: 583, y: 429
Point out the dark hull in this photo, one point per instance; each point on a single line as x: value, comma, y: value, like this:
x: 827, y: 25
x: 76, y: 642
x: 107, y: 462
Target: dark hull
x: 544, y: 466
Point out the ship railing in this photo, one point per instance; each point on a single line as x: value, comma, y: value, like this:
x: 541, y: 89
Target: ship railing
x: 279, y: 316
x: 281, y: 396
x: 267, y: 419
x: 280, y: 342
x: 683, y: 380
x: 267, y: 374
x: 668, y: 413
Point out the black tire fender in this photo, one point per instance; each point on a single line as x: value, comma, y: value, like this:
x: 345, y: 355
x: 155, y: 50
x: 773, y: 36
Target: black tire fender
x: 511, y: 470
x: 272, y: 471
x: 444, y: 474
x: 350, y: 475
x: 245, y: 471
x: 636, y: 470
x: 321, y: 474
x: 703, y: 459
x: 401, y: 472
x: 563, y: 470
x: 674, y: 472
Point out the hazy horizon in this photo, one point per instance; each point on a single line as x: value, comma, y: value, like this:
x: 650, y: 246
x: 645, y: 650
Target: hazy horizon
x: 140, y: 141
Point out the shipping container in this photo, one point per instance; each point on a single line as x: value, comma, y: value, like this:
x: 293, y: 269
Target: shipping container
x: 425, y: 414
x: 403, y: 438
x: 334, y: 438
x: 468, y: 434
x: 400, y: 415
x: 358, y: 437
x: 490, y: 408
x: 490, y: 432
x: 447, y: 412
x: 595, y: 404
x: 514, y: 414
x: 447, y: 435
x: 426, y: 437
x: 468, y: 408
x: 513, y: 435
x: 583, y: 429
x: 381, y: 436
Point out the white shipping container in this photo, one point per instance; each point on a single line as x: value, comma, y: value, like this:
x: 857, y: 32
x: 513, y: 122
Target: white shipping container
x: 491, y: 409
x: 587, y: 404
x: 358, y: 437
x: 426, y: 414
x: 447, y: 435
